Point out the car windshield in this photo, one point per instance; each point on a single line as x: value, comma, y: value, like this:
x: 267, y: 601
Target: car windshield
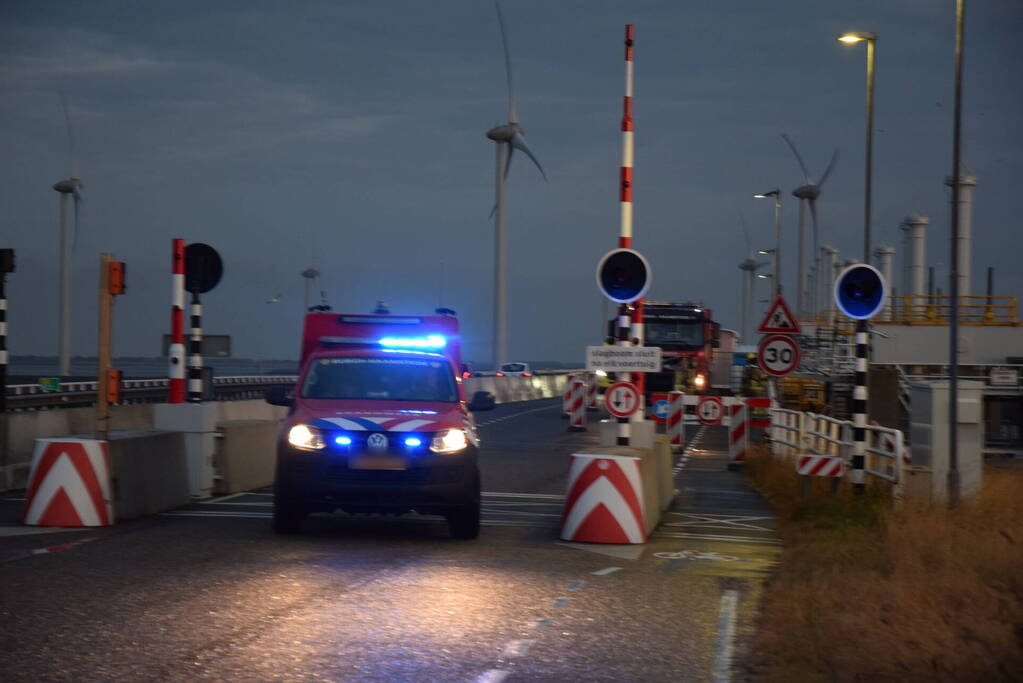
x: 383, y: 379
x: 688, y: 333
x: 513, y: 367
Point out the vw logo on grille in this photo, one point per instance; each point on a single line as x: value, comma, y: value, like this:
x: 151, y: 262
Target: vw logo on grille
x: 377, y: 442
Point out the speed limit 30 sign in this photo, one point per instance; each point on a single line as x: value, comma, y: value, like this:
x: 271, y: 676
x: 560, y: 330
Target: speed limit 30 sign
x: 778, y: 355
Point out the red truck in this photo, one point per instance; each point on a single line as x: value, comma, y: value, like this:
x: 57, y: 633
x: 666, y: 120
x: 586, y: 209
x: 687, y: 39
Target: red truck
x: 378, y: 423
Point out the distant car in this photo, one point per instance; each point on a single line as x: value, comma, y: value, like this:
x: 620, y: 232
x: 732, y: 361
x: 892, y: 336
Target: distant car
x: 514, y: 370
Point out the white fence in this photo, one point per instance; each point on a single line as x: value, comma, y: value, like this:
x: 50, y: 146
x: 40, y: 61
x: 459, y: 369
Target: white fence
x: 794, y: 433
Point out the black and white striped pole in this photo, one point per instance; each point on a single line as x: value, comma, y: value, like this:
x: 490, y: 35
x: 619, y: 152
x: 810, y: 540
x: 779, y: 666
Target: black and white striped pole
x: 6, y: 266
x: 860, y: 292
x: 195, y: 351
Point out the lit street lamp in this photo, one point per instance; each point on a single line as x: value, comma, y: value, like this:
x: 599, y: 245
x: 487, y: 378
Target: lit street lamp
x: 776, y: 193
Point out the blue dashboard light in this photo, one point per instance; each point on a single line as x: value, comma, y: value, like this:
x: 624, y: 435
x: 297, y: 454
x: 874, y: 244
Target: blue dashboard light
x: 343, y: 440
x: 413, y: 442
x: 433, y: 341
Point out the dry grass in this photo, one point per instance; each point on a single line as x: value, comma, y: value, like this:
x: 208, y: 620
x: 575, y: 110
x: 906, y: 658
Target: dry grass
x: 868, y: 592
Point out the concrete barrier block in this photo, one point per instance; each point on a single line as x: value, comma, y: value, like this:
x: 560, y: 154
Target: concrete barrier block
x: 150, y: 472
x: 245, y: 455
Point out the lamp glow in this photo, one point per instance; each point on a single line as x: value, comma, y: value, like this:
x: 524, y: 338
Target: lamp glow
x: 433, y: 341
x: 343, y: 441
x: 413, y: 442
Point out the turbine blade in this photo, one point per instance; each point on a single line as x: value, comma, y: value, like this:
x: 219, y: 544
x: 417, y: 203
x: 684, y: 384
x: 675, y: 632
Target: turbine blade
x: 507, y: 163
x: 518, y: 141
x: 70, y: 134
x: 745, y: 231
x: 792, y: 146
x: 827, y: 171
x: 513, y: 115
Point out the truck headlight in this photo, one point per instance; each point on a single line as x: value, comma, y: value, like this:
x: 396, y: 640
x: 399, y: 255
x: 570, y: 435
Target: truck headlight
x: 305, y: 437
x: 700, y: 380
x: 449, y: 441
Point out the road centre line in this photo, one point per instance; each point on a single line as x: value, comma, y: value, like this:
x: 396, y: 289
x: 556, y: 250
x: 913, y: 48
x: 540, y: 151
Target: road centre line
x: 605, y: 571
x: 524, y: 412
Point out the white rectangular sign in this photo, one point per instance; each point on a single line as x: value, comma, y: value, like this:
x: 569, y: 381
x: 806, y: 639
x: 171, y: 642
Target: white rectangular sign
x: 623, y: 358
x: 1003, y: 377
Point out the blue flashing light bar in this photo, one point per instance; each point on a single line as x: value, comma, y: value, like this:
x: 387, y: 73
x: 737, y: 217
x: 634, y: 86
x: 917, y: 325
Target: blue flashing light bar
x: 433, y: 341
x: 343, y: 441
x: 413, y: 442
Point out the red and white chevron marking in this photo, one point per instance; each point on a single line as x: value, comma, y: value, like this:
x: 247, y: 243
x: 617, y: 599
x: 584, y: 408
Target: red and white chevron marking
x: 819, y: 465
x: 738, y: 433
x: 604, y: 503
x: 591, y: 390
x: 675, y: 424
x: 69, y: 484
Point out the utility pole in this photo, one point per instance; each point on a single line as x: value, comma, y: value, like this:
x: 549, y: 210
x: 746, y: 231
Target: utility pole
x: 6, y: 266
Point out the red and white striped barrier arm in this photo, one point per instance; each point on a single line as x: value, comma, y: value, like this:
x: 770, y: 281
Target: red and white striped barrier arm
x: 819, y: 465
x: 176, y: 353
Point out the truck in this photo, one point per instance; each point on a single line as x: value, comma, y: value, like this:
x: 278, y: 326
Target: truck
x: 377, y: 423
x: 688, y: 337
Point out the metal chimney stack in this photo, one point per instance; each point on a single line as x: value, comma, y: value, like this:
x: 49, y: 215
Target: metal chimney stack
x: 883, y: 254
x: 913, y: 257
x: 827, y: 279
x: 965, y: 209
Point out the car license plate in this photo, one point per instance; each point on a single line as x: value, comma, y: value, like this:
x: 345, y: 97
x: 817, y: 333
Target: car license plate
x: 377, y: 461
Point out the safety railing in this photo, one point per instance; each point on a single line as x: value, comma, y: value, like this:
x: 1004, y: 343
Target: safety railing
x: 795, y: 433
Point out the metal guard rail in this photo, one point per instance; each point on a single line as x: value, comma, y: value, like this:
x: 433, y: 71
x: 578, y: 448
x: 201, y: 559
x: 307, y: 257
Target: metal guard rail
x: 796, y: 433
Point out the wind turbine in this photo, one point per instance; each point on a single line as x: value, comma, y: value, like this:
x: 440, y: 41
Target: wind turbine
x: 69, y: 189
x: 748, y: 267
x: 807, y: 194
x: 509, y: 137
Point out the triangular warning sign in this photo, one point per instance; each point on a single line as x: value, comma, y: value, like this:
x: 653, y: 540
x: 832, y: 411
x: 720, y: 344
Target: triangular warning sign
x: 779, y: 319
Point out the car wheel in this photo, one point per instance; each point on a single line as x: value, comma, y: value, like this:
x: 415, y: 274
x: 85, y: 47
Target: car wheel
x: 464, y: 520
x: 288, y: 512
x: 288, y: 516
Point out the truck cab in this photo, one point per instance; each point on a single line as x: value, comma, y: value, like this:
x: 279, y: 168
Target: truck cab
x: 378, y: 423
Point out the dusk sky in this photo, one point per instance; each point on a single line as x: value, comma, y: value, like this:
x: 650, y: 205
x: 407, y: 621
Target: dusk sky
x: 349, y: 136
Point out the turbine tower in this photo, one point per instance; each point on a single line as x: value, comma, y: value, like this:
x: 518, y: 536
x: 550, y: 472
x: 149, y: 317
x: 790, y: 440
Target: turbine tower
x: 509, y: 137
x: 69, y: 189
x: 807, y: 194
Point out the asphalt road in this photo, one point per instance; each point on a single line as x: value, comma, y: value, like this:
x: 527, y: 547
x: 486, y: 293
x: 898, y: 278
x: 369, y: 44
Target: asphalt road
x: 208, y: 592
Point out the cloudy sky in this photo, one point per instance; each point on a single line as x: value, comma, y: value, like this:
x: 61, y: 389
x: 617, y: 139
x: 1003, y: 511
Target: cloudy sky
x: 349, y: 136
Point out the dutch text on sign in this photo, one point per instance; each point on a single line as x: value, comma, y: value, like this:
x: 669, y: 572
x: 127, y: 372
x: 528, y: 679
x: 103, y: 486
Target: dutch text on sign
x: 623, y: 358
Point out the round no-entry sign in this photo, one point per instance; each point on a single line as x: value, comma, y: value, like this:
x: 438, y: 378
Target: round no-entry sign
x: 622, y: 399
x: 778, y: 355
x: 710, y: 410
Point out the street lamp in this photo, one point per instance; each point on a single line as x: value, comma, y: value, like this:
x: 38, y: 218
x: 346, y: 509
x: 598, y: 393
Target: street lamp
x: 870, y: 39
x: 776, y: 193
x: 860, y: 392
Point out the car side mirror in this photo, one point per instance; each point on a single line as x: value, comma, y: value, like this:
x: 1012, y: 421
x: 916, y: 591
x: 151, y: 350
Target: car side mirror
x: 280, y: 395
x: 482, y: 400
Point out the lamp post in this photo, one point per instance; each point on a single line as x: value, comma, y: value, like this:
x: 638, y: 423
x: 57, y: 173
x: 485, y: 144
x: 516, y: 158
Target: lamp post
x: 870, y: 39
x: 860, y: 395
x: 776, y: 193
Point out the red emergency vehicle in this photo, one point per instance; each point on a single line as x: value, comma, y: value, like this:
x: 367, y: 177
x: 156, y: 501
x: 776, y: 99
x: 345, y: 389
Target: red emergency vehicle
x: 378, y: 423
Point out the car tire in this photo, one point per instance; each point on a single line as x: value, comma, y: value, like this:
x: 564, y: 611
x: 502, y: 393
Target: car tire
x: 288, y: 512
x: 288, y: 517
x: 464, y: 520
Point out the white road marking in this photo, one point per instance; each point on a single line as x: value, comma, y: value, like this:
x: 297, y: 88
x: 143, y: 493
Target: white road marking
x: 524, y: 412
x: 539, y: 496
x: 516, y: 648
x: 33, y: 530
x: 606, y: 570
x: 493, y: 676
x: 718, y: 521
x: 712, y: 537
x: 228, y: 497
x: 726, y: 637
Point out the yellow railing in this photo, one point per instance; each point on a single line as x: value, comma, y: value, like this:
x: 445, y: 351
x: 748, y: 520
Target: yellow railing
x: 933, y: 310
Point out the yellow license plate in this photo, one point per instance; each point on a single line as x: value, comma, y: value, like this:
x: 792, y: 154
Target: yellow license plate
x: 377, y: 462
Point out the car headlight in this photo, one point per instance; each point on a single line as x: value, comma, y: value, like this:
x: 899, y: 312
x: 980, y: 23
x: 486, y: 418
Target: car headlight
x: 449, y: 441
x: 305, y: 437
x: 601, y: 373
x: 700, y: 380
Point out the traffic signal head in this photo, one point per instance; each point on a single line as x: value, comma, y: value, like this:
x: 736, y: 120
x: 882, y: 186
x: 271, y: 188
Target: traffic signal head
x: 860, y: 291
x: 623, y: 275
